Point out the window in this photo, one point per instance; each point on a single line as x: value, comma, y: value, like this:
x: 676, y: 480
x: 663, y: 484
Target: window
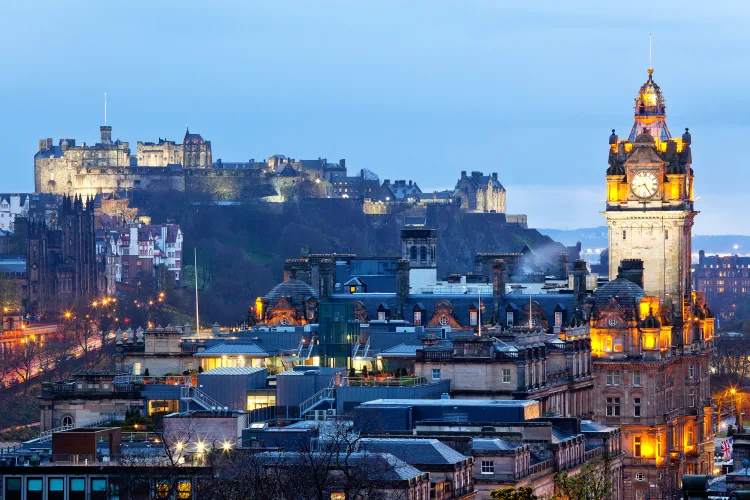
x: 506, y: 375
x: 658, y: 445
x: 558, y: 318
x: 666, y: 234
x: 636, y: 407
x: 636, y: 377
x: 98, y: 489
x: 613, y: 377
x: 66, y: 421
x: 624, y: 235
x: 640, y: 476
x: 613, y: 407
x: 691, y: 398
x: 690, y: 436
x: 417, y: 318
x: 691, y: 371
x: 473, y: 315
x: 137, y: 368
x: 337, y: 496
x: 12, y: 488
x: 381, y: 315
x: 637, y: 446
x: 423, y: 254
x: 435, y: 374
x: 607, y: 344
x: 55, y: 488
x: 77, y: 488
x: 509, y: 319
x: 612, y: 322
x: 184, y: 489
x: 488, y: 467
x: 443, y: 321
x: 34, y: 489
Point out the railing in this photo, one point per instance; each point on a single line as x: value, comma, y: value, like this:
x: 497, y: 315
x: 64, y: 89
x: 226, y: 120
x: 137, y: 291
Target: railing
x: 190, y: 393
x: 142, y: 379
x: 541, y: 467
x: 322, y: 395
x: 422, y: 354
x: 593, y: 454
x: 45, y: 436
x: 389, y: 382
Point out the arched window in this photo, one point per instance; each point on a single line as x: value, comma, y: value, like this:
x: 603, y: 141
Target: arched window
x: 423, y: 254
x: 413, y: 253
x: 66, y: 421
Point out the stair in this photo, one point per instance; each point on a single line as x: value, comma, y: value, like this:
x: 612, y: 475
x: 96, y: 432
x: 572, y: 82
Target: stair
x: 46, y: 436
x: 189, y: 393
x: 327, y: 395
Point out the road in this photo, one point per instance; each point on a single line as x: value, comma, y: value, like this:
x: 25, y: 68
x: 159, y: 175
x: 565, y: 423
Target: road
x: 10, y: 378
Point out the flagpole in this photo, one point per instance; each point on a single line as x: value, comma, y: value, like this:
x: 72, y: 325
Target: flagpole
x: 479, y: 312
x: 197, y: 322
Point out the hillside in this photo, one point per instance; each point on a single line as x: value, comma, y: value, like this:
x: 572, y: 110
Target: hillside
x: 242, y: 247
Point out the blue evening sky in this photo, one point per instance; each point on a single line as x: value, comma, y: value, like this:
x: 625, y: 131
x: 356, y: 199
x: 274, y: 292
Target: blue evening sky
x: 408, y: 89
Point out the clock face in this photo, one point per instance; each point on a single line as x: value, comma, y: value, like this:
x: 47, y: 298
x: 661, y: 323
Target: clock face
x: 644, y: 184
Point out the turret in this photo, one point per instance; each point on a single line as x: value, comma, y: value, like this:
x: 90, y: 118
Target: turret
x: 105, y: 132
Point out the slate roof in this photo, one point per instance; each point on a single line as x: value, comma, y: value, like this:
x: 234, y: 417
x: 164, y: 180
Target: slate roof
x: 485, y: 444
x: 296, y: 290
x: 233, y: 350
x: 401, y: 351
x: 628, y: 292
x: 234, y: 370
x: 592, y: 426
x: 56, y: 151
x: 415, y: 451
x: 559, y: 435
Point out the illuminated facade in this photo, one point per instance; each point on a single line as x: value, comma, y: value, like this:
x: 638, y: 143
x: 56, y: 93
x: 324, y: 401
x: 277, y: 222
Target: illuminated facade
x: 651, y: 334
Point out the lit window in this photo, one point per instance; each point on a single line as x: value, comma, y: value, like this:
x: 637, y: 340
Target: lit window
x: 417, y: 318
x: 607, y: 344
x: 637, y: 446
x: 509, y: 319
x: 473, y: 318
x: 558, y: 318
x: 488, y: 467
x: 435, y: 374
x: 443, y: 321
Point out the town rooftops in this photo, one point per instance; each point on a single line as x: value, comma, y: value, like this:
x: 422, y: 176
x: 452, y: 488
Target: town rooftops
x: 233, y: 350
x: 416, y: 451
x: 490, y: 445
x: 233, y: 370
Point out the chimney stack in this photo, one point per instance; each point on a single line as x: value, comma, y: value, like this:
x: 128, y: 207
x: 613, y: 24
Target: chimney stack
x: 579, y: 283
x: 402, y: 287
x: 327, y: 273
x: 498, y: 285
x: 632, y: 270
x: 563, y: 265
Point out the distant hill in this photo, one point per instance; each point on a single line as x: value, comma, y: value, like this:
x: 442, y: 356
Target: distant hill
x: 594, y: 238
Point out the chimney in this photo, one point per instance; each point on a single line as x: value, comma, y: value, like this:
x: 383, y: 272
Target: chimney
x: 563, y: 265
x: 494, y: 175
x: 701, y: 257
x: 49, y: 143
x: 106, y: 134
x: 463, y: 174
x: 579, y: 283
x: 327, y: 277
x: 632, y: 270
x: 342, y: 162
x: 42, y: 145
x: 498, y: 285
x: 402, y: 287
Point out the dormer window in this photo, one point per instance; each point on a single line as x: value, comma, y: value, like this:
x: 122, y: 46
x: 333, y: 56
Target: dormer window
x: 558, y: 318
x: 473, y: 318
x: 417, y: 318
x: 612, y: 323
x: 509, y: 319
x: 381, y: 315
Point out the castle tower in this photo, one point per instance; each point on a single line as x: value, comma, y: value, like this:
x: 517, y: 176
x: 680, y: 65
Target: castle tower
x: 649, y: 206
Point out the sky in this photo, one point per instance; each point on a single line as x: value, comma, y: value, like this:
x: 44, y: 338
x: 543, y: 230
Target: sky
x: 408, y: 89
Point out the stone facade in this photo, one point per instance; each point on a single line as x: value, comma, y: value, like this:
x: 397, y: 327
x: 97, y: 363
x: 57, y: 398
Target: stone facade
x: 481, y: 193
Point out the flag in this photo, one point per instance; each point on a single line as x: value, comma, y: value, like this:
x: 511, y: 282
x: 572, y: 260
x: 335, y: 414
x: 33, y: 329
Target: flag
x: 726, y: 449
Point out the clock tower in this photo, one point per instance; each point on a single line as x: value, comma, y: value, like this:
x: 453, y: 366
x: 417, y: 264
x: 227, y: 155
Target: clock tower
x: 649, y: 207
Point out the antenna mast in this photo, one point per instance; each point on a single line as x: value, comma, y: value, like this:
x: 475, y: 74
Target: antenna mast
x: 105, y: 108
x: 479, y: 312
x: 197, y: 323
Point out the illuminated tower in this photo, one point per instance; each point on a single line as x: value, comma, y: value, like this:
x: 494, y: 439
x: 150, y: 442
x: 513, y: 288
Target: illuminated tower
x: 650, y: 201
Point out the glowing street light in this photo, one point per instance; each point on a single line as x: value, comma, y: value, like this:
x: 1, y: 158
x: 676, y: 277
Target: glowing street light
x: 226, y: 445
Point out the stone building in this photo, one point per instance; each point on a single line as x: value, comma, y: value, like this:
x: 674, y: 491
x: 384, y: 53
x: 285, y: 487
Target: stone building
x: 481, y: 193
x: 724, y: 280
x: 651, y: 333
x: 62, y: 265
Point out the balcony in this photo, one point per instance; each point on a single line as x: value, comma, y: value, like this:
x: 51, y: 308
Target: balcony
x: 650, y: 462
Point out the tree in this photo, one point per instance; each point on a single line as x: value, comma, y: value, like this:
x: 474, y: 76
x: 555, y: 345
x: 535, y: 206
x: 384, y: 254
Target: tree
x: 593, y: 482
x: 23, y: 358
x: 509, y: 493
x: 364, y: 371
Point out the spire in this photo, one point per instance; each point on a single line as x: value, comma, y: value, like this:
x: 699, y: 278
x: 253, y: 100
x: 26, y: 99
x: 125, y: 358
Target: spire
x: 650, y: 110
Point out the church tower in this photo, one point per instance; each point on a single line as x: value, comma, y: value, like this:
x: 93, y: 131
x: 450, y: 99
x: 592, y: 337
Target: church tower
x: 649, y: 207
